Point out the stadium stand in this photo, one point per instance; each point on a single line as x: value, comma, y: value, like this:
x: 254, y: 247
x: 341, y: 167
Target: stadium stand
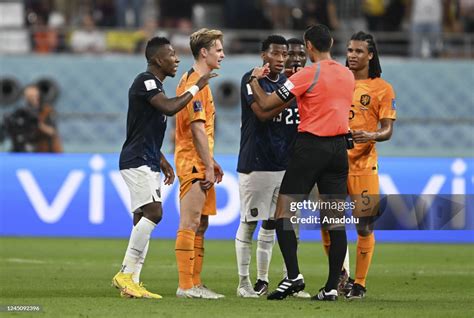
x: 434, y: 101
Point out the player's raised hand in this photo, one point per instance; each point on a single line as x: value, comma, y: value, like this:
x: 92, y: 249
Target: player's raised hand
x: 204, y: 80
x: 167, y: 170
x: 261, y: 72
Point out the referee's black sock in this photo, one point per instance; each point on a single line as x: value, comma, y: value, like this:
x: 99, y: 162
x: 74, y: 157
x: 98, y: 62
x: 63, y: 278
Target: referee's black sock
x: 337, y: 252
x: 288, y: 246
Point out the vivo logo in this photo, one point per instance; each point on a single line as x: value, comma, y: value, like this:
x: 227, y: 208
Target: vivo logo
x: 52, y: 212
x: 97, y: 179
x: 410, y: 216
x: 435, y: 183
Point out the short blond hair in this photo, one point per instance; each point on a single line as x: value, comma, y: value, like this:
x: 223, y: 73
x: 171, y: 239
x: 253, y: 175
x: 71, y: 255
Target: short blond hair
x: 204, y: 38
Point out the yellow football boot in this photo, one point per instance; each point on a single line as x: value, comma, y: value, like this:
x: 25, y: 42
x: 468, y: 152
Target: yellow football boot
x: 127, y: 286
x: 147, y: 294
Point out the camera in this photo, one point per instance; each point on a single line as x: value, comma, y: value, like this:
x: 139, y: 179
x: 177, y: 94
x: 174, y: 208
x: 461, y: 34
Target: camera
x: 22, y: 127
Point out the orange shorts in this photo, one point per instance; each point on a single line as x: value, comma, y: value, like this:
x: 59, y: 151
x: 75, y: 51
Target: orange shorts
x: 185, y: 183
x: 365, y: 193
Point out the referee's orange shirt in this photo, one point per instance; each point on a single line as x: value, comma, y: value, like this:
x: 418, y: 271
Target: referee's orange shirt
x: 323, y: 93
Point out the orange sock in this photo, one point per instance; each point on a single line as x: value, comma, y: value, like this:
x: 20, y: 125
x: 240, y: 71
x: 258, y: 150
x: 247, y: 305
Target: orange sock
x: 365, y: 250
x: 198, y: 259
x: 326, y: 240
x: 184, y: 250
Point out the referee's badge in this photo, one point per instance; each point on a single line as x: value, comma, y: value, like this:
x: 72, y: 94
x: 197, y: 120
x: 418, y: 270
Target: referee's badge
x: 365, y: 99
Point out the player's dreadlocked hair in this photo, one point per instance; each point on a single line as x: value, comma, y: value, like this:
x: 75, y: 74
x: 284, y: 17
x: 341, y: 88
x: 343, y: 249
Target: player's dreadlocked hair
x: 273, y: 39
x: 374, y: 64
x: 153, y: 45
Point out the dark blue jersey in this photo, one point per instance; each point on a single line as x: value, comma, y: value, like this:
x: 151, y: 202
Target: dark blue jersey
x: 146, y: 125
x: 265, y: 146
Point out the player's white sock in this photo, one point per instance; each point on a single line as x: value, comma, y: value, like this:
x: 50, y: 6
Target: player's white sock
x: 346, y: 263
x: 243, y: 250
x: 139, y: 265
x: 138, y: 240
x: 266, y: 240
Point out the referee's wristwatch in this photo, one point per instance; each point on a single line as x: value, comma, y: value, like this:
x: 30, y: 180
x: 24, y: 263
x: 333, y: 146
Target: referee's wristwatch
x: 251, y: 78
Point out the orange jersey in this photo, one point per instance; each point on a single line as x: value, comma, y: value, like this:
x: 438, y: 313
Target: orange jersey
x: 374, y: 99
x: 201, y: 107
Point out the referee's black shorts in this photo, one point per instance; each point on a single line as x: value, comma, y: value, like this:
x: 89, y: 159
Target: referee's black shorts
x: 317, y: 160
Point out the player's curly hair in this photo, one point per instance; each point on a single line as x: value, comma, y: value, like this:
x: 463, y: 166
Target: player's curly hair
x: 295, y: 41
x: 153, y: 45
x: 204, y: 38
x: 374, y: 64
x: 273, y: 39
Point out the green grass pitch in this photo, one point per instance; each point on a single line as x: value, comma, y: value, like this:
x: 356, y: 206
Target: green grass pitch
x: 71, y: 278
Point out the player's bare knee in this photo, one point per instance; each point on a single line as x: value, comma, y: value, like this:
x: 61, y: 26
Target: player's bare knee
x: 283, y: 207
x: 153, y: 212
x: 282, y: 213
x: 137, y: 215
x: 364, y: 232
x: 364, y: 228
x: 190, y: 219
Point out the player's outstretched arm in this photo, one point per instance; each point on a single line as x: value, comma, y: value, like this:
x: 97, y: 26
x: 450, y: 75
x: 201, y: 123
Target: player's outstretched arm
x: 264, y: 101
x: 170, y: 106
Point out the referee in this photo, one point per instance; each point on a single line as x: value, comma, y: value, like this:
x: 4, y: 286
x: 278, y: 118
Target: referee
x: 323, y: 93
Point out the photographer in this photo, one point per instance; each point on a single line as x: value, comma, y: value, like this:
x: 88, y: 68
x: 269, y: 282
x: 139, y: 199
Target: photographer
x: 32, y: 128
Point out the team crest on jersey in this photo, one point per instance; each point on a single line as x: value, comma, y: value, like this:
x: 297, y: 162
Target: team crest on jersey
x: 365, y: 99
x: 254, y: 212
x: 197, y: 106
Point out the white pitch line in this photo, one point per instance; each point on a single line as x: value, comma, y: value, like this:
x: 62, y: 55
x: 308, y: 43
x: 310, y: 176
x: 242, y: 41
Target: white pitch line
x: 25, y: 261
